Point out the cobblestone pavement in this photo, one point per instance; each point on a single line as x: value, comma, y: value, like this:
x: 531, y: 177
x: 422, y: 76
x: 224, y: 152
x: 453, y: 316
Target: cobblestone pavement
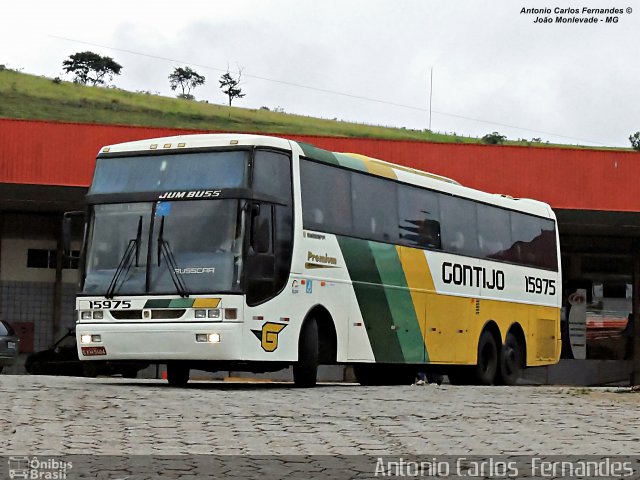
x: 113, y: 416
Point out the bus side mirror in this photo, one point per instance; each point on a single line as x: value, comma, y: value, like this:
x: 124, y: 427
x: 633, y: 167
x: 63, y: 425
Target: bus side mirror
x: 67, y: 223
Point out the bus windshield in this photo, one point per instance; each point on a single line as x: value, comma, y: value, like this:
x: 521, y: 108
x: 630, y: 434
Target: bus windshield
x: 178, y: 247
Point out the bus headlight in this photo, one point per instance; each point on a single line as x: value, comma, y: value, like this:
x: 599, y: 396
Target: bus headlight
x: 99, y: 315
x: 200, y: 314
x: 85, y: 315
x: 214, y: 313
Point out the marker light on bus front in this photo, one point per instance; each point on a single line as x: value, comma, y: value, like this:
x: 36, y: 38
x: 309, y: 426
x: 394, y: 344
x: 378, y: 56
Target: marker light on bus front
x: 87, y: 338
x: 208, y: 337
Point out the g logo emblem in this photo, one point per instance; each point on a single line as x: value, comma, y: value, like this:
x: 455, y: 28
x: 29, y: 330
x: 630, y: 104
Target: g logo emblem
x: 268, y: 336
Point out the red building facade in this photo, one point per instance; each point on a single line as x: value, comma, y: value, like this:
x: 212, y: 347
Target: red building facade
x: 45, y: 168
x: 63, y: 154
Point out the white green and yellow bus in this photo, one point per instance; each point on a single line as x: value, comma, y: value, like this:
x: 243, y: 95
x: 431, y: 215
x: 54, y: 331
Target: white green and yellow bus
x: 256, y: 253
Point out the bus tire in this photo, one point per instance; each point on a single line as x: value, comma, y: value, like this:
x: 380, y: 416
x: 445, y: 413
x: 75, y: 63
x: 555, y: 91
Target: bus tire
x: 305, y: 370
x: 486, y: 368
x: 177, y: 374
x: 511, y: 361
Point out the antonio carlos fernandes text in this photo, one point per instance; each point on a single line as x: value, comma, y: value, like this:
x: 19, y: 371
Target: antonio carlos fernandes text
x: 492, y: 468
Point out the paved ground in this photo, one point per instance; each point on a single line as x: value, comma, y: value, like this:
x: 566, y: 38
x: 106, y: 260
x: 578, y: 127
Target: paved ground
x: 50, y: 416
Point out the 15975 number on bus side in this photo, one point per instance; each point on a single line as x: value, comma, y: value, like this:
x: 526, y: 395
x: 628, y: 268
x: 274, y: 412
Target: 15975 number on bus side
x: 541, y: 286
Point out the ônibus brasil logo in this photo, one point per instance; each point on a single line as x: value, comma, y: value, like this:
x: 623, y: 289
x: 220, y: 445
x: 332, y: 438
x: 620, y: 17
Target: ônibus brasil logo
x: 34, y: 468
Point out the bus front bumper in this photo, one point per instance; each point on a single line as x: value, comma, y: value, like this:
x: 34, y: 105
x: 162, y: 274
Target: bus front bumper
x: 160, y: 341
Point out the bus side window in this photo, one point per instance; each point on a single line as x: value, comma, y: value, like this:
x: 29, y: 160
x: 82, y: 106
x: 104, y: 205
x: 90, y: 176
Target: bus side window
x: 459, y: 225
x: 418, y: 218
x: 272, y: 174
x: 318, y: 216
x: 494, y: 231
x: 326, y: 197
x: 371, y: 222
x: 429, y: 234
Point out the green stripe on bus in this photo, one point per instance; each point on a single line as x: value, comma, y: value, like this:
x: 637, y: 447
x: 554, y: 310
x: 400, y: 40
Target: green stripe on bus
x: 157, y: 303
x: 399, y: 299
x: 169, y: 303
x: 351, y: 162
x: 181, y: 303
x: 372, y: 301
x: 315, y: 153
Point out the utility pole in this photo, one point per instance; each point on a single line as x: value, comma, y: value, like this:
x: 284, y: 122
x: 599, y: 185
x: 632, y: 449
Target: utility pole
x: 430, y: 98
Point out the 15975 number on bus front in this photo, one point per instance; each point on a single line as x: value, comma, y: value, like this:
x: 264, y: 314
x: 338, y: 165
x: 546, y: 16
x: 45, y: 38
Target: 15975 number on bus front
x: 109, y: 304
x: 541, y: 286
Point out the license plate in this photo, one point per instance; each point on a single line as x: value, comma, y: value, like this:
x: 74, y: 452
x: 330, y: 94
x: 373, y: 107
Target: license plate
x: 93, y: 351
x: 11, y: 345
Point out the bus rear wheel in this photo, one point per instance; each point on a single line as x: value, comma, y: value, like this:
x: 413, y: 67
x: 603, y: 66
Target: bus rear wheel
x: 484, y: 372
x: 177, y: 374
x: 511, y: 361
x: 305, y: 370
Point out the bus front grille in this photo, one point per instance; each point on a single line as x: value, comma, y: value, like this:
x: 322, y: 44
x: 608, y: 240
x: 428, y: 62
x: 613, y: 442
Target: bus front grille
x: 156, y: 314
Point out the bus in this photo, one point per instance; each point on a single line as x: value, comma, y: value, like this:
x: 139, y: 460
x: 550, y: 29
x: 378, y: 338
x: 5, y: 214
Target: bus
x: 240, y: 252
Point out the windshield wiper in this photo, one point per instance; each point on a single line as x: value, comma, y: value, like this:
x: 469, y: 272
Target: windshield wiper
x: 125, y: 261
x: 165, y: 249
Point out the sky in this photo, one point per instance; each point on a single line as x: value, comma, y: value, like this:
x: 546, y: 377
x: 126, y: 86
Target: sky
x: 367, y: 61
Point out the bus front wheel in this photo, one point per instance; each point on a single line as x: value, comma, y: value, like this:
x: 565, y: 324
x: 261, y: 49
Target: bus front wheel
x: 177, y: 374
x: 305, y: 370
x: 485, y: 370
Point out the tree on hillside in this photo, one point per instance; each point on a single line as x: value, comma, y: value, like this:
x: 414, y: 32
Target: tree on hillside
x: 89, y: 67
x: 635, y: 141
x: 187, y: 79
x: 231, y: 86
x: 493, y: 138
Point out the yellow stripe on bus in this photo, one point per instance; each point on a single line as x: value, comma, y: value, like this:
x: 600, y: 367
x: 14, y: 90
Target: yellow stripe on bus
x: 376, y: 166
x: 206, y: 303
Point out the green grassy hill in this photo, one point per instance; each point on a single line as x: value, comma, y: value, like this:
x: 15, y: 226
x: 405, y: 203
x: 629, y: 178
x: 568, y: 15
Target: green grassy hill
x: 26, y: 96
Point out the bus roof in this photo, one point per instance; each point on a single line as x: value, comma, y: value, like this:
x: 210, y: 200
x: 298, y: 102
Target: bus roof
x: 421, y: 178
x: 198, y: 141
x: 352, y: 161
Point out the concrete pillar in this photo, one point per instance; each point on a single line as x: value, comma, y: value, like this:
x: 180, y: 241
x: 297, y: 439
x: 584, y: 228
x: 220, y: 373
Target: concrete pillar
x: 57, y: 288
x: 635, y: 371
x: 1, y: 237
